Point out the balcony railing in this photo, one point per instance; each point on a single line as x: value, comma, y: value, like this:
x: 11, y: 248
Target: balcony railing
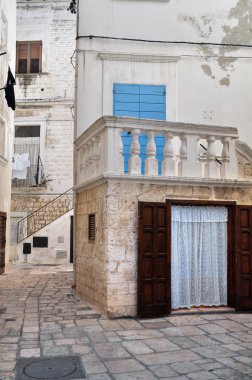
x: 189, y: 150
x: 34, y: 177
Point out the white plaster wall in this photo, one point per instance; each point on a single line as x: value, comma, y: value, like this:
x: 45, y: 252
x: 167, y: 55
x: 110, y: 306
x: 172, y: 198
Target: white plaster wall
x: 58, y: 228
x: 51, y: 23
x: 153, y: 19
x: 208, y: 84
x: 8, y: 12
x: 46, y: 99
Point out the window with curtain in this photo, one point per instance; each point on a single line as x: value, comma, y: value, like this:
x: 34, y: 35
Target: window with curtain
x: 29, y: 57
x: 199, y: 256
x: 27, y: 146
x: 142, y: 101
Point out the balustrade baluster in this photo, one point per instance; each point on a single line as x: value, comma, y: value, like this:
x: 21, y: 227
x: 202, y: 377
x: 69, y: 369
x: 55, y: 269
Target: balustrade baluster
x: 183, y: 155
x: 135, y: 161
x: 168, y: 166
x: 229, y: 168
x: 82, y: 161
x: 224, y: 157
x: 96, y: 155
x: 151, y: 163
x: 89, y: 159
x: 189, y: 165
x: 211, y: 168
x: 96, y: 148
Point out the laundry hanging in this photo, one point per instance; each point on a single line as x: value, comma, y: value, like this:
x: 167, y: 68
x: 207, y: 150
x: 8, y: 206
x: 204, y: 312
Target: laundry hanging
x: 20, y: 163
x: 9, y: 90
x: 199, y: 256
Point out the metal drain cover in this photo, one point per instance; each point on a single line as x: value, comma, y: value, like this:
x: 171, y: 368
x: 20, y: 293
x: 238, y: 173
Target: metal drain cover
x: 57, y: 368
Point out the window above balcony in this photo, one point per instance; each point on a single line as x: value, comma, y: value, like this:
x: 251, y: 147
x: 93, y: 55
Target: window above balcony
x: 29, y: 57
x: 27, y: 167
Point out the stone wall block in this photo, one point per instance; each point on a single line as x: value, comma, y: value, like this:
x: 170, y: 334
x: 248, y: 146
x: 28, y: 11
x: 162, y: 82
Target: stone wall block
x: 112, y: 202
x: 121, y: 300
x: 119, y: 188
x: 127, y: 203
x: 118, y: 219
x: 120, y: 288
x: 116, y: 252
x: 132, y: 287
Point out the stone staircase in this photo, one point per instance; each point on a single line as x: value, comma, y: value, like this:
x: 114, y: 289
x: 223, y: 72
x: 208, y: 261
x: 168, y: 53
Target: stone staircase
x: 45, y: 215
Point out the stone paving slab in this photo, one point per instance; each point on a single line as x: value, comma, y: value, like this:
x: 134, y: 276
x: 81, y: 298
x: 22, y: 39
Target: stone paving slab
x: 42, y: 317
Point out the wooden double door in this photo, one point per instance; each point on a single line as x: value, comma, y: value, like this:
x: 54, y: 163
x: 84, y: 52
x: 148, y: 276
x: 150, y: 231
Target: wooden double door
x: 154, y: 256
x: 2, y: 241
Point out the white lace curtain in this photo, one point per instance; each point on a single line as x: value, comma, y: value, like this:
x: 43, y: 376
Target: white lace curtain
x: 28, y: 145
x: 199, y: 256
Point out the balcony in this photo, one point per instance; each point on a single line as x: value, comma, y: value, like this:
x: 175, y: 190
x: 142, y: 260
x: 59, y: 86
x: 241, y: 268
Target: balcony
x: 188, y: 151
x: 34, y: 178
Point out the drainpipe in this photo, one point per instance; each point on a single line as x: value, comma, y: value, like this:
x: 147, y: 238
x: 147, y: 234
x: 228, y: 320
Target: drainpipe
x: 74, y: 150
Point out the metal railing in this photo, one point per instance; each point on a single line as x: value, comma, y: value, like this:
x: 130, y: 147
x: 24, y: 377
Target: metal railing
x: 45, y: 215
x: 34, y: 177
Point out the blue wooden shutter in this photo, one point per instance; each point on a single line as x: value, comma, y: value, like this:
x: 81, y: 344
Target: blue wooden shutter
x: 143, y: 101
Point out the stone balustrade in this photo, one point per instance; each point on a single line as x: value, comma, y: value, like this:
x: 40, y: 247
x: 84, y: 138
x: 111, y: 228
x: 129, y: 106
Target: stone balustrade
x: 187, y: 150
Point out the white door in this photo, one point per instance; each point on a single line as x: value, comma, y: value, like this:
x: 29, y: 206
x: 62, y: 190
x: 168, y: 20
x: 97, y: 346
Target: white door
x: 199, y: 256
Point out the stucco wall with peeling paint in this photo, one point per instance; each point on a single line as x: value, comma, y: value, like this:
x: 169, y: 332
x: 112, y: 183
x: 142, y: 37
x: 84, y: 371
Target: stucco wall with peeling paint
x: 209, y: 83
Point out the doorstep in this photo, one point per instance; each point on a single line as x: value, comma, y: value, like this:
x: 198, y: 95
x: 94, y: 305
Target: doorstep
x: 203, y: 310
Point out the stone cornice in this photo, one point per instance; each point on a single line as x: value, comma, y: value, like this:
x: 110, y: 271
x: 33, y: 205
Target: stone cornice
x: 138, y: 57
x: 166, y: 181
x: 44, y: 103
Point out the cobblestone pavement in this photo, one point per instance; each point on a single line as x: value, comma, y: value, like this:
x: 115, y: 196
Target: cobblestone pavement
x: 40, y: 317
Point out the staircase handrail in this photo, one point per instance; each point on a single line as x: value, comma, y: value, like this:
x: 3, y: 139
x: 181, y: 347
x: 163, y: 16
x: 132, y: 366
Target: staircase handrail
x: 54, y: 199
x: 33, y: 216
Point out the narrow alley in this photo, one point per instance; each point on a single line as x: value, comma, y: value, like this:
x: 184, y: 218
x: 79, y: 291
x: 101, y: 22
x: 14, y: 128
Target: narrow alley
x: 40, y: 317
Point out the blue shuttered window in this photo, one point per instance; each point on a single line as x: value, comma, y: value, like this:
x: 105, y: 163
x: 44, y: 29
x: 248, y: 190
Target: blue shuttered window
x: 143, y: 101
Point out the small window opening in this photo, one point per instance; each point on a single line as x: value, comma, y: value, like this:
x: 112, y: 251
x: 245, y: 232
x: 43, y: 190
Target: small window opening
x: 91, y: 226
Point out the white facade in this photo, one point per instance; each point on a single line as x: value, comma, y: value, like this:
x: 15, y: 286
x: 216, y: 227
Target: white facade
x: 46, y: 100
x: 7, y: 44
x: 198, y: 77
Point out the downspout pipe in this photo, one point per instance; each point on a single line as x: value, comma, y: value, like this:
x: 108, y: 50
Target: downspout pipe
x: 74, y: 150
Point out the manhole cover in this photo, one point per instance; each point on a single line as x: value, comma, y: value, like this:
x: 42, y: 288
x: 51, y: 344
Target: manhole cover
x: 57, y: 368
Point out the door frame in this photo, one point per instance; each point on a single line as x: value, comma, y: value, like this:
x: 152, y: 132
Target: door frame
x: 231, y: 253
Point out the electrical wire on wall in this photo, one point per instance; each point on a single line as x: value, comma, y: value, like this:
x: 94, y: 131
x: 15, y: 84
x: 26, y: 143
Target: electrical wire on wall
x: 231, y: 45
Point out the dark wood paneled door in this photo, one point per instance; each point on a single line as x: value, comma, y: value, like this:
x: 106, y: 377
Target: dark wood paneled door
x: 154, y: 265
x: 244, y: 258
x: 2, y: 241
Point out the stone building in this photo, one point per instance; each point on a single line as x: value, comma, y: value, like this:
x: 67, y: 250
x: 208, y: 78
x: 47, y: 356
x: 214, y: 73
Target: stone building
x: 43, y: 140
x: 163, y: 174
x: 7, y: 59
